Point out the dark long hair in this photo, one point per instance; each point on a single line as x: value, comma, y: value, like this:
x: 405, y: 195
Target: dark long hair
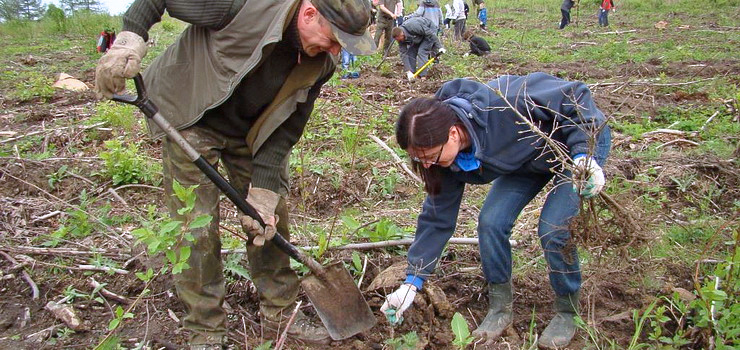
x: 424, y: 123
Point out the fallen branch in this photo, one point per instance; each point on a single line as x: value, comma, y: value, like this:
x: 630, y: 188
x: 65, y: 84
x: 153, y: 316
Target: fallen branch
x: 63, y: 252
x: 618, y: 32
x: 108, y: 294
x: 679, y: 140
x: 396, y: 157
x: 284, y: 336
x: 382, y: 244
x: 664, y: 131
x: 51, y: 130
x: 46, y: 216
x: 26, y: 276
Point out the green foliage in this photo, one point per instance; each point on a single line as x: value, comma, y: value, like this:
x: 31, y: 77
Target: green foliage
x: 167, y: 236
x: 116, y: 115
x: 232, y: 266
x: 57, y: 176
x: 461, y: 331
x: 264, y: 346
x: 33, y: 85
x: 407, y: 341
x: 56, y: 16
x: 126, y: 165
x: 120, y: 315
x: 383, y: 230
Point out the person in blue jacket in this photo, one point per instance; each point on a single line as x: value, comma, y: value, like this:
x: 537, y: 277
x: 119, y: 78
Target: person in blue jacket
x: 468, y: 134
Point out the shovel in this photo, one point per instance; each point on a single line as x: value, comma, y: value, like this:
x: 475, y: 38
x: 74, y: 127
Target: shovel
x: 331, y: 289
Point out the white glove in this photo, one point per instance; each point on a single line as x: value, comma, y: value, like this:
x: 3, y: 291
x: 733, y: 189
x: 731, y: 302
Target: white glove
x: 442, y: 50
x: 121, y: 61
x: 594, y: 176
x: 264, y: 202
x: 466, y: 54
x: 410, y: 76
x: 397, y: 302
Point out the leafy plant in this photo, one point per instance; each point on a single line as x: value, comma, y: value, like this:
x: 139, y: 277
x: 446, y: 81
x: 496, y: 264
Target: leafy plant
x: 167, y: 236
x: 120, y: 315
x: 115, y: 114
x: 35, y: 85
x: 232, y: 266
x: 407, y: 341
x: 461, y: 331
x: 57, y: 176
x: 125, y: 164
x: 264, y: 346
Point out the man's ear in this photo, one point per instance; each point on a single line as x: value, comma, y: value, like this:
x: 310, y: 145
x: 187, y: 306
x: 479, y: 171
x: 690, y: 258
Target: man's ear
x: 309, y: 13
x: 454, y: 133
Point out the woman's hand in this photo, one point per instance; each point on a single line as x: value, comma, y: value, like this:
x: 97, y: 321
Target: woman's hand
x: 398, y: 302
x: 594, y: 176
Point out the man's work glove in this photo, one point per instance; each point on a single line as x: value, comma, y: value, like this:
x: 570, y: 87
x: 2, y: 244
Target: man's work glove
x: 410, y: 75
x: 397, y: 302
x: 264, y: 202
x: 586, y: 168
x: 121, y: 61
x: 441, y: 50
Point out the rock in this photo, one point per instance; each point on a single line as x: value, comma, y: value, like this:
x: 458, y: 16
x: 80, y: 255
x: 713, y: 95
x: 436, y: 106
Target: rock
x: 684, y: 294
x: 67, y: 82
x: 661, y: 25
x: 66, y: 314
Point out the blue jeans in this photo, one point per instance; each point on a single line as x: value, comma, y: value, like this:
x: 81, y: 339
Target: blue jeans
x: 506, y: 199
x: 348, y: 59
x: 604, y: 18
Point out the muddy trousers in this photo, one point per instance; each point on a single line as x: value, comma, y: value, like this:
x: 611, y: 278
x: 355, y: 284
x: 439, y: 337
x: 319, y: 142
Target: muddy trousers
x: 506, y: 199
x: 384, y: 27
x: 201, y: 287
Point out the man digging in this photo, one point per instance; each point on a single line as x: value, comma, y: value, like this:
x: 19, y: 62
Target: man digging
x: 240, y: 84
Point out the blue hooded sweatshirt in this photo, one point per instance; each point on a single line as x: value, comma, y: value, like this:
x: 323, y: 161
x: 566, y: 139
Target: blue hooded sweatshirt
x: 503, y: 144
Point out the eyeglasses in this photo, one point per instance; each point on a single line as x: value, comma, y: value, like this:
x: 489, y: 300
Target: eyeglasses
x: 426, y: 161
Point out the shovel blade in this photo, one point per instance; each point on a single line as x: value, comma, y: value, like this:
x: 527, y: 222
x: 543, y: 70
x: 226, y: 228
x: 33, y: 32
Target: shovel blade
x: 338, y: 302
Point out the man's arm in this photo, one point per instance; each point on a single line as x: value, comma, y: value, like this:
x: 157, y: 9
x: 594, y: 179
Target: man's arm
x: 216, y: 14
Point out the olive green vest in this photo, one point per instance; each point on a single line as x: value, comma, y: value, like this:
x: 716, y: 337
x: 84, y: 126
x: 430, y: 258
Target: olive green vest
x: 203, y: 67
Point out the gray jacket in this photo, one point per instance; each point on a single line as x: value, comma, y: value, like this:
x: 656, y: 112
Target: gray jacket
x: 430, y: 12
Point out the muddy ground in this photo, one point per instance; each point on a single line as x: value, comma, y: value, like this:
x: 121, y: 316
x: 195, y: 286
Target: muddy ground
x: 28, y: 204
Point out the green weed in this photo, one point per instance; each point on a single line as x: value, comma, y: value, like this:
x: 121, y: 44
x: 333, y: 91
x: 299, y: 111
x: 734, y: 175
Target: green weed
x: 126, y: 165
x: 407, y: 341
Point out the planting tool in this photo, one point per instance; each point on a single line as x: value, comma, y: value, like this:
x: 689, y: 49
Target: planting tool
x: 430, y: 61
x: 331, y: 289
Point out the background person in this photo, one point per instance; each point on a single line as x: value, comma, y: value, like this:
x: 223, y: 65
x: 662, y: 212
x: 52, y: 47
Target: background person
x: 478, y: 45
x: 429, y: 9
x: 565, y: 12
x: 385, y: 23
x: 460, y: 16
x: 417, y: 42
x: 467, y: 134
x: 250, y: 125
x: 606, y: 6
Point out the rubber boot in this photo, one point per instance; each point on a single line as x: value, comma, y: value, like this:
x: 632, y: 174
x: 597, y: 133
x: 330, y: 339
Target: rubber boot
x: 562, y: 327
x: 499, y: 315
x: 302, y: 328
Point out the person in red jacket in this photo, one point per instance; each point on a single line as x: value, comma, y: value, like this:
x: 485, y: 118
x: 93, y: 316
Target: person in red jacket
x: 606, y: 5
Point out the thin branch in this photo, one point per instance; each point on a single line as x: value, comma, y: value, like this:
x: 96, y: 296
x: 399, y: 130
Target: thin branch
x: 26, y: 276
x: 284, y: 336
x: 397, y: 158
x: 108, y: 294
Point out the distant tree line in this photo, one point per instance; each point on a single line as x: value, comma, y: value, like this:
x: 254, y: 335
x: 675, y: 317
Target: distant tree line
x: 35, y: 9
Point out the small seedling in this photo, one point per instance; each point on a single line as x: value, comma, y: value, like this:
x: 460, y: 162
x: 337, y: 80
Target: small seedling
x: 461, y: 331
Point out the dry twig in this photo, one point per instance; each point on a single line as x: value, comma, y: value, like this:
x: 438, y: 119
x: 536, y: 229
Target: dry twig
x: 26, y: 276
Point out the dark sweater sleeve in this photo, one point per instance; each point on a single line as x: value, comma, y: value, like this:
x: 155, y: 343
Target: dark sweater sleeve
x: 268, y: 162
x: 216, y: 14
x: 435, y: 226
x: 568, y: 104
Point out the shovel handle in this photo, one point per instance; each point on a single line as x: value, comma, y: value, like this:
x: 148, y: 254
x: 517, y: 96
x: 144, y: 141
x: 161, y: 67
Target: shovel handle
x: 152, y: 111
